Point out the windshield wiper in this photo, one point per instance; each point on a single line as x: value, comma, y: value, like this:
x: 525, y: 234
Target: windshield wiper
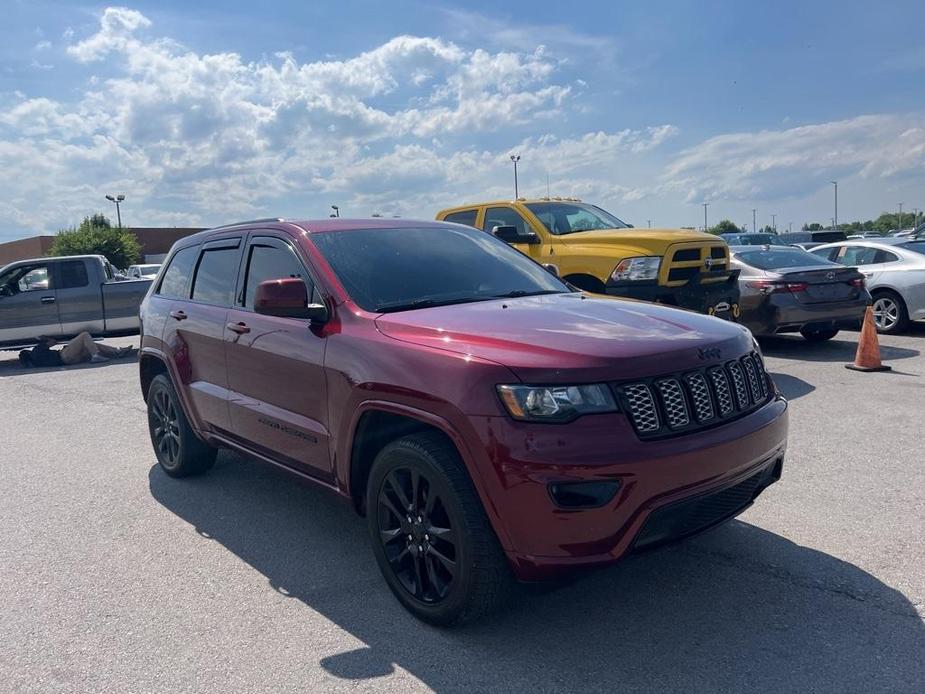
x: 424, y: 303
x: 526, y: 292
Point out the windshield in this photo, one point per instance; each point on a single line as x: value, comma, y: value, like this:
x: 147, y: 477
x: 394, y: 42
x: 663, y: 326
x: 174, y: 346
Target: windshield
x: 914, y: 246
x: 400, y: 269
x: 779, y: 257
x: 571, y: 217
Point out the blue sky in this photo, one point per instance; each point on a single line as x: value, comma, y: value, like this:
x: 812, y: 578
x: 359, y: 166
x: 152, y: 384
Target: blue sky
x: 202, y: 114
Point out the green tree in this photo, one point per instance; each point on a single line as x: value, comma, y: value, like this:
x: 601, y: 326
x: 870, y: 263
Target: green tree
x: 725, y: 226
x: 768, y: 229
x: 815, y: 226
x: 95, y: 235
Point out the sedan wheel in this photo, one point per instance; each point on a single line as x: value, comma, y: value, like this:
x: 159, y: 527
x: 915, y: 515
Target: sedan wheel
x: 889, y: 313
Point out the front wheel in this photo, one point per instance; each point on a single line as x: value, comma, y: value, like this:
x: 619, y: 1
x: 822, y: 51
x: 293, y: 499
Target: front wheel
x: 179, y: 451
x: 818, y: 335
x: 890, y: 313
x: 431, y: 537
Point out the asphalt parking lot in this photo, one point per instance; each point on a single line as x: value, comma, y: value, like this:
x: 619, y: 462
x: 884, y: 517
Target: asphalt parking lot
x: 117, y: 578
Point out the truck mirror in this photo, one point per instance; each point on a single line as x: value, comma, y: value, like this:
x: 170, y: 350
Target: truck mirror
x: 511, y: 234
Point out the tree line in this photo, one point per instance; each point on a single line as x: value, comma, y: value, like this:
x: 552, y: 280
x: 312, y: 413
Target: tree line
x: 888, y: 221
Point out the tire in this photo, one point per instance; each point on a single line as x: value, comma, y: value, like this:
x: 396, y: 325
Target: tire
x: 179, y: 452
x: 893, y: 316
x: 423, y: 472
x: 818, y: 335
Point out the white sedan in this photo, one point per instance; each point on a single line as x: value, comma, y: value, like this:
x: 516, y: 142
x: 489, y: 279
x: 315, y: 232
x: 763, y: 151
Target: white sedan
x: 894, y: 269
x: 142, y: 272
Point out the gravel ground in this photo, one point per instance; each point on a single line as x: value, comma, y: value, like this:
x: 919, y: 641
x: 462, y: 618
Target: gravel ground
x: 116, y: 578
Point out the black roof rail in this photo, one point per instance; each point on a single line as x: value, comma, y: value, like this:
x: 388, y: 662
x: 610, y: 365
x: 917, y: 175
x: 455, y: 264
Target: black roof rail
x: 249, y: 221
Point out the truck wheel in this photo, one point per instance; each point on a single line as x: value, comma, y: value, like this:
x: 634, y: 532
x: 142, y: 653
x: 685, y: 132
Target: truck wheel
x: 818, y: 334
x: 890, y: 312
x: 179, y: 451
x: 431, y: 537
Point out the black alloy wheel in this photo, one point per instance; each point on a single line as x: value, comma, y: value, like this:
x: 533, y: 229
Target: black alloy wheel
x: 178, y: 450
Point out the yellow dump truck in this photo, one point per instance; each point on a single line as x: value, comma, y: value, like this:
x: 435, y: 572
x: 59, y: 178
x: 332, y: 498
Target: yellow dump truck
x: 599, y: 253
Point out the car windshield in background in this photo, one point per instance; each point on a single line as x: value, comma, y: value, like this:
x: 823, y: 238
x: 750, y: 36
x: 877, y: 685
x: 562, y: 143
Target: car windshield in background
x: 387, y: 270
x: 779, y: 257
x: 753, y: 239
x: 571, y: 217
x: 914, y: 246
x: 149, y: 269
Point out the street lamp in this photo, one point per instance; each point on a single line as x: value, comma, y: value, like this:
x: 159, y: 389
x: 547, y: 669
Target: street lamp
x: 774, y: 222
x: 754, y: 220
x: 900, y: 225
x: 649, y: 222
x: 515, y: 158
x: 118, y: 200
x: 336, y: 211
x: 835, y: 218
x: 705, y: 205
x: 789, y: 226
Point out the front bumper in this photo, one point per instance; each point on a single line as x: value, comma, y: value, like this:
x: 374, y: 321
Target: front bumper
x: 716, y: 298
x: 542, y: 539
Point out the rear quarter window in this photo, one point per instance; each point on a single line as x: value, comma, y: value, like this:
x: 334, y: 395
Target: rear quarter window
x: 175, y: 282
x: 216, y: 273
x: 466, y: 217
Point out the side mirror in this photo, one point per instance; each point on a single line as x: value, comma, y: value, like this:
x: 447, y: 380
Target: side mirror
x: 287, y: 298
x: 551, y: 269
x: 510, y: 234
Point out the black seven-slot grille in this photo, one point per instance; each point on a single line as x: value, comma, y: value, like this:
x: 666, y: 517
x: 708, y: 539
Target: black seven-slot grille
x: 680, y: 403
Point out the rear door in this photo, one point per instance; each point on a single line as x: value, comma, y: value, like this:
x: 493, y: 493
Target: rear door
x: 80, y: 305
x: 195, y: 331
x: 28, y: 305
x: 277, y: 390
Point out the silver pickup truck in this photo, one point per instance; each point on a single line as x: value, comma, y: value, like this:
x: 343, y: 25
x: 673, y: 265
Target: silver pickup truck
x: 64, y: 296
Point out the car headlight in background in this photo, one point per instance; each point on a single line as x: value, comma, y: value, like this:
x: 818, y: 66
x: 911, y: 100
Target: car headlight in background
x: 556, y: 403
x: 635, y: 269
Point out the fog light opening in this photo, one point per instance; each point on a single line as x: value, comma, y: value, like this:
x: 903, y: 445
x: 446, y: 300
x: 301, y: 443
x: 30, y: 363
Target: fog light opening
x: 578, y: 495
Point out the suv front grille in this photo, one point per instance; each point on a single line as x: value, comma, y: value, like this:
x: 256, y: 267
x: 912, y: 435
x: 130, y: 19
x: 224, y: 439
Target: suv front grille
x: 682, y: 403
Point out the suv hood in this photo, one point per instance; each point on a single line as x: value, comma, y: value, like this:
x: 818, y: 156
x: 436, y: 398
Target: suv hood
x: 572, y: 337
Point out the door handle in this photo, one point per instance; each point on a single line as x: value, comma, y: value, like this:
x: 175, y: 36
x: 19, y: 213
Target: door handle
x: 239, y: 328
x: 48, y: 299
x: 178, y: 314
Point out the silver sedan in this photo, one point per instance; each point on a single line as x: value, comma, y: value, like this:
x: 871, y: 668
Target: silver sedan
x: 895, y: 272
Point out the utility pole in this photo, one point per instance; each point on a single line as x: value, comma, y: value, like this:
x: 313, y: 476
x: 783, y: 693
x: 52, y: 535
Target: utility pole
x: 774, y: 222
x: 515, y: 158
x: 835, y: 219
x: 754, y: 220
x: 705, y: 205
x: 649, y: 222
x: 789, y: 226
x: 900, y: 224
x: 118, y: 200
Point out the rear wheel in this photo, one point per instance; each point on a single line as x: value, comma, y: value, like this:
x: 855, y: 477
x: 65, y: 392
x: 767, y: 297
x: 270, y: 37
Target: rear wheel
x: 890, y: 313
x: 431, y: 537
x: 179, y: 451
x: 818, y: 334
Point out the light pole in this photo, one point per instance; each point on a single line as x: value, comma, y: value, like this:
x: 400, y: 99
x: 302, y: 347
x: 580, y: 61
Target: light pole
x: 705, y: 206
x: 774, y: 222
x: 649, y: 222
x: 789, y: 226
x: 336, y: 211
x: 835, y: 219
x: 754, y: 220
x: 900, y: 224
x: 118, y: 200
x: 515, y: 158
x: 915, y: 216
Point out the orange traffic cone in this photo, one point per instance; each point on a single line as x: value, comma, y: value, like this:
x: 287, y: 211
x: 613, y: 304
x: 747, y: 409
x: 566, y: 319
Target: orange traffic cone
x: 868, y: 355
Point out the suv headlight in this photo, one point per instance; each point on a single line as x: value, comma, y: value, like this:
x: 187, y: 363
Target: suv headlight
x: 634, y: 269
x: 556, y: 403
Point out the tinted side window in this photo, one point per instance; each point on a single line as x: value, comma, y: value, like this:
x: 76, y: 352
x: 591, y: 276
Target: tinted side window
x: 72, y: 274
x: 857, y: 255
x: 215, y: 276
x: 885, y: 257
x: 175, y: 282
x: 503, y: 216
x: 270, y: 263
x: 827, y: 253
x: 466, y: 217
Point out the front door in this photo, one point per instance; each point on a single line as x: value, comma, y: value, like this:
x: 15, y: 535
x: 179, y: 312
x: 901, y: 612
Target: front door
x: 28, y: 306
x: 277, y: 391
x: 508, y: 216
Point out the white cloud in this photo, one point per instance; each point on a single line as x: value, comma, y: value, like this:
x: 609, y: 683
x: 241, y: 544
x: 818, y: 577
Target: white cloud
x: 42, y: 46
x: 213, y: 136
x: 794, y: 162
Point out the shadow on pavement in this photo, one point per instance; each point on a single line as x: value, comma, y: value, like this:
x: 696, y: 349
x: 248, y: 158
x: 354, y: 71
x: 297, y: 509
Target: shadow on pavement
x: 791, y: 386
x: 12, y: 367
x: 838, y: 349
x: 738, y: 609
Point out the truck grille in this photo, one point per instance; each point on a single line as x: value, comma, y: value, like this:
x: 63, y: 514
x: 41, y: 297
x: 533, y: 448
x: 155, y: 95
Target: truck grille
x: 686, y: 263
x: 681, y: 403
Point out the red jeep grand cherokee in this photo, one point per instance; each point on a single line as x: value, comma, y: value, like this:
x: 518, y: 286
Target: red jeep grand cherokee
x: 490, y: 421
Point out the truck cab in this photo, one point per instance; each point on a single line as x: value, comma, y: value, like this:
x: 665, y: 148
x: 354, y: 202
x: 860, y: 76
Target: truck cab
x: 599, y: 253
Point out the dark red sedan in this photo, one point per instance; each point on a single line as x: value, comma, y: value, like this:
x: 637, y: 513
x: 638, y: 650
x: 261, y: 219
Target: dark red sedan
x: 489, y: 421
